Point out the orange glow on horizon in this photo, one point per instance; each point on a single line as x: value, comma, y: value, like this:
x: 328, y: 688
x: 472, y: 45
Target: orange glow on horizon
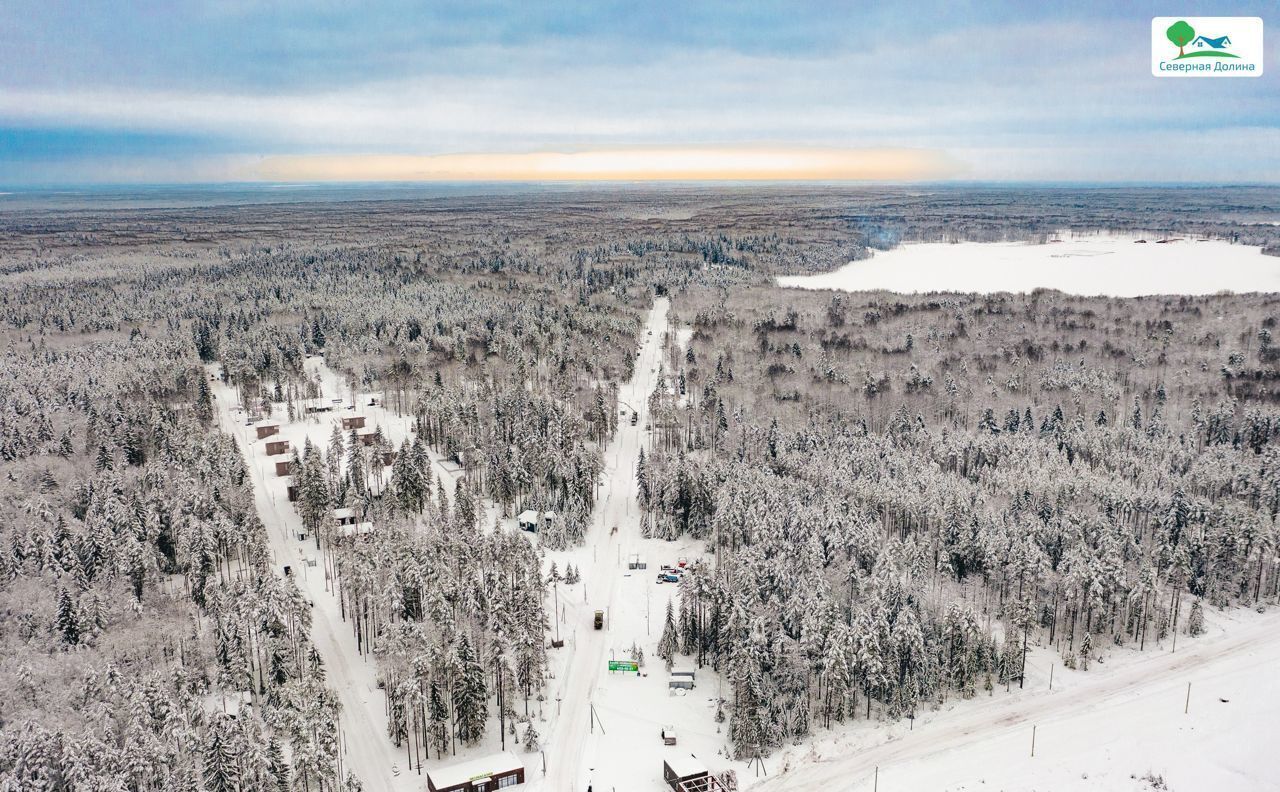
x: 656, y: 164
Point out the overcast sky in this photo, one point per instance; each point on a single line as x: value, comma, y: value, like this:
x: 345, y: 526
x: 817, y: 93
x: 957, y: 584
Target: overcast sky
x: 209, y: 91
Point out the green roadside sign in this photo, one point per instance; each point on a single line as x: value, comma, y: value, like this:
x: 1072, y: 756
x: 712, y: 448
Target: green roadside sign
x: 623, y: 665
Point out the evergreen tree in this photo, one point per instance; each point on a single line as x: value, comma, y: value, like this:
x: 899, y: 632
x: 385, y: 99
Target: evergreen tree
x: 668, y: 645
x: 67, y: 620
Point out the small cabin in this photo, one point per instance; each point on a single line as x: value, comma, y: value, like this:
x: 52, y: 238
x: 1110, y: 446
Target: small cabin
x: 344, y: 516
x: 680, y: 680
x: 282, y: 466
x: 275, y: 447
x: 387, y: 457
x: 291, y: 489
x: 266, y: 428
x: 352, y: 422
x: 367, y: 436
x: 528, y: 519
x: 483, y: 774
x: 683, y: 773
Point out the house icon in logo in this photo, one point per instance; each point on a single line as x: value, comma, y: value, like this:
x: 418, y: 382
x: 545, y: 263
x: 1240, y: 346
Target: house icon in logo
x: 1218, y: 43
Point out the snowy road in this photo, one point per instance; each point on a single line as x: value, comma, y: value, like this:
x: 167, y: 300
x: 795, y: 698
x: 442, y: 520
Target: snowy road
x: 572, y: 747
x: 367, y: 751
x: 1103, y: 732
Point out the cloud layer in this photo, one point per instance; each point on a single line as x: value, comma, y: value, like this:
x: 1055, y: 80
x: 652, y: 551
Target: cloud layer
x: 236, y: 90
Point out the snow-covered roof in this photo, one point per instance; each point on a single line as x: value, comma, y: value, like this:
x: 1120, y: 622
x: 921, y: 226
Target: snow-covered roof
x: 480, y: 767
x: 343, y: 513
x: 684, y: 765
x: 267, y: 422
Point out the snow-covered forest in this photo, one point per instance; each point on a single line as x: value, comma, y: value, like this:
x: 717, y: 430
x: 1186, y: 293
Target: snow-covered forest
x: 902, y: 493
x: 897, y: 495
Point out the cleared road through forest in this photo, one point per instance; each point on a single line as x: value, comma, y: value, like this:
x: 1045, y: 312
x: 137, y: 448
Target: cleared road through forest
x: 570, y: 747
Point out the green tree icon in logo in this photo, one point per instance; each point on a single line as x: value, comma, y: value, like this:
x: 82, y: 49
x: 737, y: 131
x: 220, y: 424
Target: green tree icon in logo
x: 1181, y: 34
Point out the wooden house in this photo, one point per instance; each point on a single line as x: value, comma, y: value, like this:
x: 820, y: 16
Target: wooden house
x: 266, y: 428
x: 484, y: 774
x: 350, y: 422
x: 275, y: 447
x: 282, y: 466
x: 684, y: 773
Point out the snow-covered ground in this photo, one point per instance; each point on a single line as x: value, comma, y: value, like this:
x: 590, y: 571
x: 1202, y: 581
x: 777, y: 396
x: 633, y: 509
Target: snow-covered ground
x: 1098, y: 264
x: 1100, y: 730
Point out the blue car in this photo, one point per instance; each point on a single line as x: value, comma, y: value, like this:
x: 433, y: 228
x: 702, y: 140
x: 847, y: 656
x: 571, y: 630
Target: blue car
x: 667, y: 577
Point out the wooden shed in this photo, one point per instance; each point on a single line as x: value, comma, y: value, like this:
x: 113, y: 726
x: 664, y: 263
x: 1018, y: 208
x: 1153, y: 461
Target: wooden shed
x: 277, y: 447
x: 291, y: 489
x: 266, y: 428
x: 484, y: 774
x: 353, y: 422
x: 282, y: 466
x: 367, y: 435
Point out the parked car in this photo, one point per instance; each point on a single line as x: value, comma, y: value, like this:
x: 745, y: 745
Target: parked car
x: 599, y: 620
x: 670, y: 578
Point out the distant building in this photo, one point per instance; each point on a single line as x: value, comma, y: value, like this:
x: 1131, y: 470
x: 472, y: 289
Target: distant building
x: 484, y: 774
x: 282, y: 466
x: 275, y: 447
x: 367, y: 436
x: 344, y: 516
x: 320, y: 405
x: 528, y: 519
x: 291, y: 488
x: 352, y: 422
x: 266, y: 428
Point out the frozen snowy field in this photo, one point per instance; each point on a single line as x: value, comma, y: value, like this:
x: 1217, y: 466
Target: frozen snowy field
x: 1116, y: 266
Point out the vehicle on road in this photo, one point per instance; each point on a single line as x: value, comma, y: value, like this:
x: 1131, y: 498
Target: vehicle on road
x: 599, y: 620
x: 669, y: 577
